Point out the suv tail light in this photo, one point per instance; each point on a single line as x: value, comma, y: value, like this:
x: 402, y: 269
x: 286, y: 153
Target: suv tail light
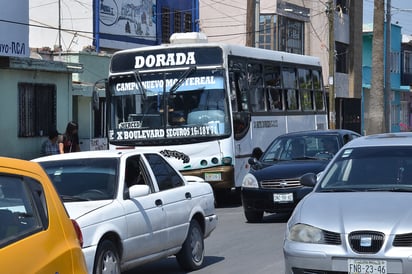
x: 78, y: 232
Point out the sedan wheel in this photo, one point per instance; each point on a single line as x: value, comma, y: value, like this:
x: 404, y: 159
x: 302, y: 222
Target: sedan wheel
x: 107, y: 259
x: 191, y: 256
x: 253, y: 216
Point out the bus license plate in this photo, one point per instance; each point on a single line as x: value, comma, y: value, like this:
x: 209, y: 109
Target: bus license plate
x: 356, y: 266
x: 213, y: 177
x: 283, y: 197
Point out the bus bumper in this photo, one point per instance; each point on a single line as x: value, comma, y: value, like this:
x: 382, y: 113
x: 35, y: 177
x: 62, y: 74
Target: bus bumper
x: 219, y: 177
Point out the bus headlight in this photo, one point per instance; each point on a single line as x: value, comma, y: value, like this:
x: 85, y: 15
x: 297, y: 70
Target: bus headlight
x: 227, y: 160
x: 250, y: 181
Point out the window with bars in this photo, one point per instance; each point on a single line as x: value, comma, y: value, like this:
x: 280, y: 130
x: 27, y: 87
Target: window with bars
x: 37, y: 109
x: 177, y: 21
x: 188, y: 26
x: 291, y: 35
x: 165, y: 25
x: 407, y: 62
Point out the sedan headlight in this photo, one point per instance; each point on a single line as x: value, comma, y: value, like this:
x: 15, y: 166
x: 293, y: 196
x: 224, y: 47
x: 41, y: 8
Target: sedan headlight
x: 306, y: 234
x: 250, y: 181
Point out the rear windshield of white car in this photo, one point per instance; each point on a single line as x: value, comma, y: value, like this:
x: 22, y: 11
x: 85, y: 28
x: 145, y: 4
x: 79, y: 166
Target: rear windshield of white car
x: 83, y: 179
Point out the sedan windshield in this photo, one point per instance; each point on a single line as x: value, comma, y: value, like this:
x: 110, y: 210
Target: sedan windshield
x: 302, y: 147
x: 370, y: 169
x: 83, y: 179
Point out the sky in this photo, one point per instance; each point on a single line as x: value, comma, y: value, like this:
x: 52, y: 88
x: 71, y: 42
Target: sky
x: 401, y: 12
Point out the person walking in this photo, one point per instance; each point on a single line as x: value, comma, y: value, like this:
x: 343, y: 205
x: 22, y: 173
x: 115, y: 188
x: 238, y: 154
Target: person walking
x: 70, y: 140
x: 51, y: 145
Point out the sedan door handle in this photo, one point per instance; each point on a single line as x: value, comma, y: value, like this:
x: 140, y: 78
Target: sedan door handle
x: 188, y: 195
x: 158, y: 202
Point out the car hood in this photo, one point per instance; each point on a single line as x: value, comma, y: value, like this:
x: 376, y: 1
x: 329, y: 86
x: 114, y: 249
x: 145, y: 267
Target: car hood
x: 289, y: 169
x: 78, y: 209
x: 388, y: 212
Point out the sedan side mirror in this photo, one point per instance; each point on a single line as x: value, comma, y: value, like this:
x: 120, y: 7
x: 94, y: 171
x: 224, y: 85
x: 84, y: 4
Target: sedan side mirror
x: 308, y: 179
x: 138, y: 191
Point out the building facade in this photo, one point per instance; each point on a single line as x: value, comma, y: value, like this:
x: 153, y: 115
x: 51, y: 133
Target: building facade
x: 34, y: 100
x: 54, y: 82
x: 302, y: 27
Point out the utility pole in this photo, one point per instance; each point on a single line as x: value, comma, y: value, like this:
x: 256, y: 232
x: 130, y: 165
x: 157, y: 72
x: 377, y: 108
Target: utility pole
x: 331, y: 17
x: 387, y: 97
x: 60, y: 27
x: 250, y: 23
x: 374, y: 98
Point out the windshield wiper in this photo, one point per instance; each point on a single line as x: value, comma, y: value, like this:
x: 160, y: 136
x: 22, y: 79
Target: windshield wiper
x: 140, y: 83
x: 339, y: 190
x: 398, y: 189
x: 181, y: 79
x: 305, y: 158
x: 68, y: 198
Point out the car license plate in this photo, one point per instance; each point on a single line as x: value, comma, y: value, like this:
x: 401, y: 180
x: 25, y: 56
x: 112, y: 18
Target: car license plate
x: 283, y: 197
x: 361, y: 266
x: 213, y: 177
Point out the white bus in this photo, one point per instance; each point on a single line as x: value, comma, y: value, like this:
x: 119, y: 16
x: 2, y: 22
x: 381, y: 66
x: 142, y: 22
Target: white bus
x: 205, y: 106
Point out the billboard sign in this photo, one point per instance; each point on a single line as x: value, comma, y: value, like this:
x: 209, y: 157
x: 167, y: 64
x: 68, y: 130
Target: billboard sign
x: 124, y: 23
x: 14, y: 28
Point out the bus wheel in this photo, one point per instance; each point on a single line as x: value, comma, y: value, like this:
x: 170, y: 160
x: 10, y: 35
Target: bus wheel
x: 253, y: 216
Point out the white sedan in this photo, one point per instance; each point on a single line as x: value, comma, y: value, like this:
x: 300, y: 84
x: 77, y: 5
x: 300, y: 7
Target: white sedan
x: 133, y: 208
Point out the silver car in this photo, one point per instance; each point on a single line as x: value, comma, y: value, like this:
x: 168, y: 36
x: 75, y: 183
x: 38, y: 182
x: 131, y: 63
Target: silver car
x: 358, y: 218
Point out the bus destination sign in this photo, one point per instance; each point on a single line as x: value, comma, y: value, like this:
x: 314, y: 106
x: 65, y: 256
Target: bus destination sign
x: 158, y: 59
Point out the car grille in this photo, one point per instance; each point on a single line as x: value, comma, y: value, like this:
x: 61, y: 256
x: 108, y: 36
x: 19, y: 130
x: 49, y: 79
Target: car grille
x: 366, y: 241
x: 403, y: 240
x: 281, y: 183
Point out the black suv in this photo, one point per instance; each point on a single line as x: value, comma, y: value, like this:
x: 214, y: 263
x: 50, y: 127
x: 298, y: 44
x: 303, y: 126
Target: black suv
x: 272, y: 184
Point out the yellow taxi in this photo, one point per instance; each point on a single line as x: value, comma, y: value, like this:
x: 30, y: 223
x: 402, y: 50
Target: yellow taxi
x: 36, y: 233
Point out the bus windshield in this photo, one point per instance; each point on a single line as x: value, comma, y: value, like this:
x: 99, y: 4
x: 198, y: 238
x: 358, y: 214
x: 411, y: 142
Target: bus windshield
x: 197, y: 108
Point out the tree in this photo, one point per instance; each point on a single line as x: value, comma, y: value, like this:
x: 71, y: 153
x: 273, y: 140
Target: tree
x: 374, y: 99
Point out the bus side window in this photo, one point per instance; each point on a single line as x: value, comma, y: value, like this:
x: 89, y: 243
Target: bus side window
x: 257, y: 94
x: 273, y: 88
x: 275, y: 99
x: 238, y: 86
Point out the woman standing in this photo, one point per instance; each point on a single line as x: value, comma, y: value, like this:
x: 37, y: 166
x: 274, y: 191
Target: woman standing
x: 70, y: 140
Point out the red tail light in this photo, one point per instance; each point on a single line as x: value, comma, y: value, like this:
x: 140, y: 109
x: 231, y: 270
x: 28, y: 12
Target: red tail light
x: 78, y: 232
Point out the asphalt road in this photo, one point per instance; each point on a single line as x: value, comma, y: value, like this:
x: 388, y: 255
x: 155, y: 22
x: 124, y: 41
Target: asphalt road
x: 235, y: 247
